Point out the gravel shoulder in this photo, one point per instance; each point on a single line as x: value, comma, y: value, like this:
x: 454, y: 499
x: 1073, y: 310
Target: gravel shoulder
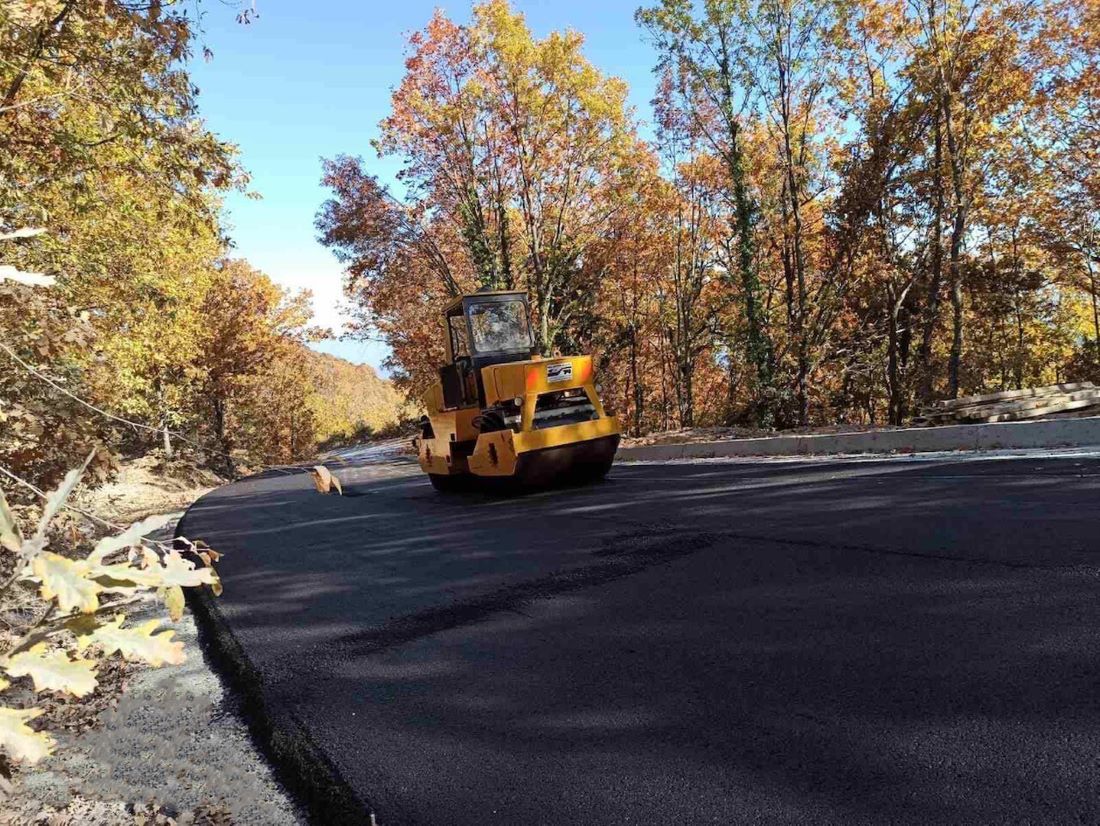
x: 170, y: 747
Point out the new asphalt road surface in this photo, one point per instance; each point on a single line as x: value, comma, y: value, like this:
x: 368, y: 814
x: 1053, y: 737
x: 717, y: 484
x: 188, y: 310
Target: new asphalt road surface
x: 892, y: 641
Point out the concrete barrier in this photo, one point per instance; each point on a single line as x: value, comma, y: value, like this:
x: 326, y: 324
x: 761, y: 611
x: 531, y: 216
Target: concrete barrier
x: 1054, y: 433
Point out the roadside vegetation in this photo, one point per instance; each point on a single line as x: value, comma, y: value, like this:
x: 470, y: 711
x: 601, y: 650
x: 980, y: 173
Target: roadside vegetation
x: 80, y: 602
x: 153, y: 334
x: 835, y: 212
x: 141, y: 362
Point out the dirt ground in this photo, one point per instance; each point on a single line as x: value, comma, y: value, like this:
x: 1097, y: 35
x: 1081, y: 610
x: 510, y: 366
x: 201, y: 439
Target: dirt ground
x: 149, y: 746
x: 149, y: 485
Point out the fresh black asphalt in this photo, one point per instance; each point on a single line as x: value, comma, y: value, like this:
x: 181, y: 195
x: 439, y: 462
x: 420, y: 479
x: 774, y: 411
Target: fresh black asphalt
x: 798, y: 642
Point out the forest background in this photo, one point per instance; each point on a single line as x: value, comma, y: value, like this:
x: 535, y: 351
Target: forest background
x: 843, y: 209
x: 848, y: 207
x: 151, y: 333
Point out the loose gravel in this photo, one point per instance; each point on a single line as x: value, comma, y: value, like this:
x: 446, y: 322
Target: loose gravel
x: 175, y: 740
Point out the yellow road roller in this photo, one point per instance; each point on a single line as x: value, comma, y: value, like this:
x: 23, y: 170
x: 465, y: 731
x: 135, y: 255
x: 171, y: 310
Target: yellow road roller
x: 500, y: 413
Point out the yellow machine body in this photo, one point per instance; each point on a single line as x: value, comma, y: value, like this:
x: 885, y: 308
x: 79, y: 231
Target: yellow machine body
x: 534, y: 419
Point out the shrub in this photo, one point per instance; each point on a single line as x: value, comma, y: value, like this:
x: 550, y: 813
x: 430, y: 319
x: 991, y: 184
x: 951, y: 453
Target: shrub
x: 80, y: 623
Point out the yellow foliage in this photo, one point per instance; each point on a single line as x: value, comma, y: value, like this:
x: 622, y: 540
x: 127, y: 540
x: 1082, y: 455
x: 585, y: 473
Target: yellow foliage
x: 349, y: 398
x: 19, y: 740
x: 53, y: 670
x: 66, y: 580
x: 138, y: 644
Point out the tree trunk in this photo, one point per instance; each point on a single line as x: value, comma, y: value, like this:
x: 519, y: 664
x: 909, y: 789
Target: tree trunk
x: 635, y: 370
x: 222, y: 437
x: 956, y: 330
x: 731, y: 390
x: 797, y: 255
x: 958, y: 233
x: 1018, y: 362
x: 1095, y: 306
x: 639, y: 396
x: 664, y: 378
x: 544, y: 343
x: 686, y: 392
x: 932, y: 302
x: 759, y: 347
x: 893, y: 372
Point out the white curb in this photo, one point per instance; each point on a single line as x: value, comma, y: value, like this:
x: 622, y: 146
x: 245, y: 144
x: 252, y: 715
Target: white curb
x: 1055, y: 433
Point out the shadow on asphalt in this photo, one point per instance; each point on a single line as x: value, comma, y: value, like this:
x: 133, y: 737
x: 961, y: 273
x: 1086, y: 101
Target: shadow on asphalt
x: 796, y: 642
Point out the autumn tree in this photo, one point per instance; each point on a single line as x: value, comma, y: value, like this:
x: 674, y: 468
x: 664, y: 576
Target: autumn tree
x: 399, y: 268
x: 43, y: 432
x: 90, y: 87
x: 699, y: 41
x: 351, y: 401
x: 689, y: 277
x: 630, y: 312
x: 1063, y: 139
x: 512, y: 147
x: 253, y: 367
x: 847, y: 209
x: 100, y: 147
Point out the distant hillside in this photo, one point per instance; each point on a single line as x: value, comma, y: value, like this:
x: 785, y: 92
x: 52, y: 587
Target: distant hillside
x: 352, y: 399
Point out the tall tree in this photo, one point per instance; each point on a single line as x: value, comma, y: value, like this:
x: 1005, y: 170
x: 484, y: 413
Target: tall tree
x: 700, y: 40
x: 253, y: 367
x: 511, y: 148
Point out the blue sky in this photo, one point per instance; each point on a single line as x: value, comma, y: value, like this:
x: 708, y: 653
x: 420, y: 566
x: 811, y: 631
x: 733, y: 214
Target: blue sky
x: 312, y: 80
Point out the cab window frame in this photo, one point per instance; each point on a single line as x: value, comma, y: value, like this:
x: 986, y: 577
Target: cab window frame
x: 460, y: 334
x: 476, y: 303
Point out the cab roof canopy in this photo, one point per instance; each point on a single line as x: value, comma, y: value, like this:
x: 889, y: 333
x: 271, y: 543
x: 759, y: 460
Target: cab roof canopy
x: 457, y: 304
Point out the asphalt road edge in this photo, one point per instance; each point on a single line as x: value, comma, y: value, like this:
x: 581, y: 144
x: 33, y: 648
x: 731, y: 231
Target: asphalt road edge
x: 313, y: 780
x: 1052, y: 433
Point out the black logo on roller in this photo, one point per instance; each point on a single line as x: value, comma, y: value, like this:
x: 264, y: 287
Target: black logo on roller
x: 559, y: 372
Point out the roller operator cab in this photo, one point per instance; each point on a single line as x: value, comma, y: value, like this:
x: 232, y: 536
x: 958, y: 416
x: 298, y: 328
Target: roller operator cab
x: 499, y: 412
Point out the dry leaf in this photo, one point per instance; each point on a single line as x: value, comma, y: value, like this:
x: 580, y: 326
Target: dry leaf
x: 123, y: 573
x: 56, y: 500
x: 324, y: 480
x: 19, y: 740
x: 131, y: 536
x: 176, y: 570
x: 173, y: 601
x: 67, y: 580
x: 53, y: 670
x: 22, y: 232
x: 10, y: 537
x: 31, y: 279
x: 138, y: 643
